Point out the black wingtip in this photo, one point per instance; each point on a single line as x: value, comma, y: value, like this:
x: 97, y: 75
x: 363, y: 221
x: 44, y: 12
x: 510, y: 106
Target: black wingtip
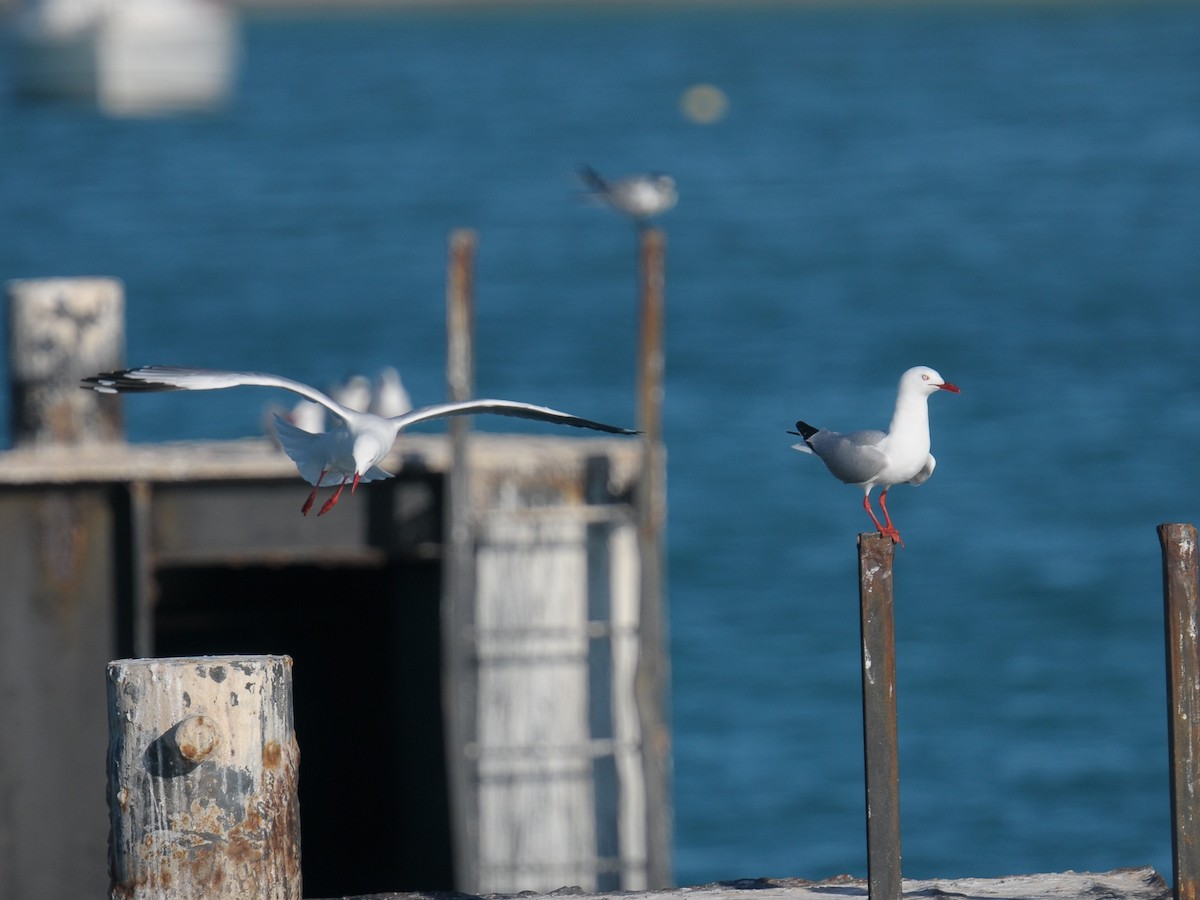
x: 804, y: 430
x: 119, y: 382
x: 592, y: 178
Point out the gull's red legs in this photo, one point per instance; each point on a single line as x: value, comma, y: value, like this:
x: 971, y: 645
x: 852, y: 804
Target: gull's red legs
x: 890, y: 530
x: 332, y: 501
x: 313, y: 496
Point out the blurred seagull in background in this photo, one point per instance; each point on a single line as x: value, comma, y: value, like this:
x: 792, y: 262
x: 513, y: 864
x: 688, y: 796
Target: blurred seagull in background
x: 899, y: 455
x: 388, y: 396
x: 351, y: 450
x: 641, y: 197
x: 385, y: 396
x: 353, y: 393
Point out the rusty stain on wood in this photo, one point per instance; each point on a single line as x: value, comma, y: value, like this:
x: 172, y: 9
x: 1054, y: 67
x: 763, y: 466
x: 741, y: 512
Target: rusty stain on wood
x: 196, y: 811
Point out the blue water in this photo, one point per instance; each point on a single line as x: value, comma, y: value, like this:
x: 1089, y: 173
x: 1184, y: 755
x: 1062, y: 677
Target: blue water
x: 1011, y: 195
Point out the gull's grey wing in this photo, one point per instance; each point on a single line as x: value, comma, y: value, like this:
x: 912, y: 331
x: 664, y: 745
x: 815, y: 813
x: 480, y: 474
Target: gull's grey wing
x: 503, y: 408
x: 854, y: 458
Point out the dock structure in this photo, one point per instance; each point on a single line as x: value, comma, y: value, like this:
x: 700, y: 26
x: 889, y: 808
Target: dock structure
x: 1142, y: 883
x: 484, y: 734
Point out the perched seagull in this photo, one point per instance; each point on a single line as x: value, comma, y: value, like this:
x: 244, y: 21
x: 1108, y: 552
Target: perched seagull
x: 641, y: 197
x: 351, y: 450
x: 388, y: 396
x: 879, y: 458
x: 353, y: 393
x: 307, y: 416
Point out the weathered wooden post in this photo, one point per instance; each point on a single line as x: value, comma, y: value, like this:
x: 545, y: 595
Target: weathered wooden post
x: 1181, y: 599
x: 653, y: 672
x: 59, y: 567
x: 880, y: 731
x: 60, y: 329
x: 202, y: 778
x: 458, y: 609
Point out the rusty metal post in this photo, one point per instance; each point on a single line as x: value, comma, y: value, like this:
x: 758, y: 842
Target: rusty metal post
x: 460, y: 318
x: 59, y: 330
x: 202, y: 777
x: 1181, y: 600
x: 458, y: 592
x: 880, y: 731
x: 653, y: 671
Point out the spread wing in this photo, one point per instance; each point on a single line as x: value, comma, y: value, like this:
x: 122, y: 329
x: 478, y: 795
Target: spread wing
x: 503, y: 408
x: 180, y: 378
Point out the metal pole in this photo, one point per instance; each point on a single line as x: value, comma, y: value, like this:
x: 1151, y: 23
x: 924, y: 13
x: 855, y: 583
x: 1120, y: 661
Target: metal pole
x: 1181, y: 599
x: 653, y: 671
x: 880, y: 733
x: 459, y: 676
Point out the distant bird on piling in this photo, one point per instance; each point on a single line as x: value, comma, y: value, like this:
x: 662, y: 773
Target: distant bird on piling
x: 353, y: 449
x: 878, y: 458
x: 641, y: 197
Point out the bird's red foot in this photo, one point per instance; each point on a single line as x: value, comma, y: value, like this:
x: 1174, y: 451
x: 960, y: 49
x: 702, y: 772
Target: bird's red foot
x: 332, y: 501
x: 887, y: 529
x: 312, y: 495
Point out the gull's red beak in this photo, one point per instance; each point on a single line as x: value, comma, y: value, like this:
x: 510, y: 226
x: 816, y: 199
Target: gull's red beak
x: 945, y: 386
x: 354, y: 487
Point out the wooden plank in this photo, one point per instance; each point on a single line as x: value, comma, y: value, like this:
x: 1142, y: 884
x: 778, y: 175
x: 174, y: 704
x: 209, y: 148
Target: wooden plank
x: 536, y: 795
x: 245, y: 521
x: 1120, y: 884
x: 251, y: 459
x: 56, y: 634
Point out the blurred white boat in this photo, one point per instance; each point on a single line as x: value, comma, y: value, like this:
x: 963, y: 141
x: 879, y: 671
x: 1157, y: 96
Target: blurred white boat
x: 130, y: 57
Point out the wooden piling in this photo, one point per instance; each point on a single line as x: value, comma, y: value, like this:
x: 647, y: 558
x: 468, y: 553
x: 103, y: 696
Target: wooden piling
x: 1181, y: 600
x: 202, y: 777
x: 653, y: 669
x: 59, y: 330
x: 458, y: 591
x: 880, y: 731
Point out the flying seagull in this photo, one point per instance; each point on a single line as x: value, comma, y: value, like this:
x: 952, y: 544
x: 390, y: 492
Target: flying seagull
x: 883, y: 458
x: 353, y: 449
x: 641, y: 197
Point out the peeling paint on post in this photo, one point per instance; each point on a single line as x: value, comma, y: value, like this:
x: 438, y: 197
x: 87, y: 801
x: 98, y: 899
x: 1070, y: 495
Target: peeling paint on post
x: 202, y: 778
x: 1181, y: 600
x: 880, y: 732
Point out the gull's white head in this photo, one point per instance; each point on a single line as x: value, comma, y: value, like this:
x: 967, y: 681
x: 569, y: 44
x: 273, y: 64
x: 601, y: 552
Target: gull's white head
x: 922, y: 379
x: 369, y: 451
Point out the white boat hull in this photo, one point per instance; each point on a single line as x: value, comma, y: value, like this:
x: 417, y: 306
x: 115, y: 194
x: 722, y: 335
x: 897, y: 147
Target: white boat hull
x: 134, y: 58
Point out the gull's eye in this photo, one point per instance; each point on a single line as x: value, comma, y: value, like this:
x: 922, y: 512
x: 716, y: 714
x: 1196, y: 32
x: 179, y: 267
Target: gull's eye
x: 924, y: 377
